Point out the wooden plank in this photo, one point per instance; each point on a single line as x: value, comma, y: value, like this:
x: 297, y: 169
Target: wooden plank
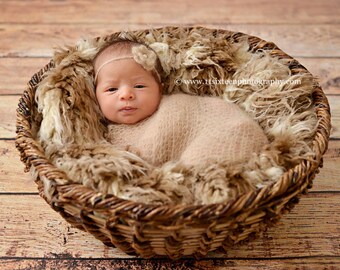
x: 297, y: 40
x: 334, y: 103
x: 38, y: 40
x: 149, y: 12
x: 16, y: 72
x: 32, y: 229
x: 43, y: 232
x: 9, y: 104
x: 327, y: 179
x: 12, y: 176
x: 14, y: 180
x: 326, y: 70
x: 203, y: 264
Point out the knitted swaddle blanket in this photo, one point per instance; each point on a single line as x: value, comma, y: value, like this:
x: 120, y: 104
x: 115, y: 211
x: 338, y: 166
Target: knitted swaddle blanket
x: 193, y: 130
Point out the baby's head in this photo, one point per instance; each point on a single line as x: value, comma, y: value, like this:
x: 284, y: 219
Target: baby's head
x: 128, y: 81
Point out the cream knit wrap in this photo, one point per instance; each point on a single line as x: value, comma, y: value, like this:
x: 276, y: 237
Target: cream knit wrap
x: 194, y: 130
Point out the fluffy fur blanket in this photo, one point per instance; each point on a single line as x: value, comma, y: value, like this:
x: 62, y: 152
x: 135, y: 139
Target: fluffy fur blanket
x: 72, y: 130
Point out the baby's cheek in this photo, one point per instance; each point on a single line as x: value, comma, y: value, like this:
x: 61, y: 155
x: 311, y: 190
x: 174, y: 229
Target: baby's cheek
x: 104, y: 106
x: 107, y: 108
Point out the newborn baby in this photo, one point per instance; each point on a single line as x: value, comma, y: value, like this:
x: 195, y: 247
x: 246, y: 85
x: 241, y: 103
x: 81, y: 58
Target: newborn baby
x: 160, y: 128
x: 128, y: 86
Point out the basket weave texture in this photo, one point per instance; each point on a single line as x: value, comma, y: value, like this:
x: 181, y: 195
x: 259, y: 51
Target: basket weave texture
x: 172, y: 231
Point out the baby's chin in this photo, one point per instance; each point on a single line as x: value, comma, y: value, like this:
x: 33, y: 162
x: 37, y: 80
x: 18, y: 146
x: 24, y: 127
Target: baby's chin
x: 129, y: 121
x: 132, y: 120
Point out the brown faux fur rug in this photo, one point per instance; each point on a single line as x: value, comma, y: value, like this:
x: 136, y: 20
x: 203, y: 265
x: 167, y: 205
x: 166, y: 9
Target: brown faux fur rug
x: 72, y: 128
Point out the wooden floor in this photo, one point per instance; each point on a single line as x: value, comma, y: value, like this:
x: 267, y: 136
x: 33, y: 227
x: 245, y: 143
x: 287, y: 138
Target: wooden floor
x: 33, y: 236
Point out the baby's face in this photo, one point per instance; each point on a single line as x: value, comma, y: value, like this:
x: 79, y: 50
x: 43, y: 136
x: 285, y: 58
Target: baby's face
x: 126, y: 92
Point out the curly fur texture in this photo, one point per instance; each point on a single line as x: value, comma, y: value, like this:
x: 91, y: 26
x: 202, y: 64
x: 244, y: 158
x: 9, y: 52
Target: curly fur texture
x: 72, y: 127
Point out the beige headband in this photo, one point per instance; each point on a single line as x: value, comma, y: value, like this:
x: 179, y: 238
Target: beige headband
x: 141, y: 54
x: 109, y: 61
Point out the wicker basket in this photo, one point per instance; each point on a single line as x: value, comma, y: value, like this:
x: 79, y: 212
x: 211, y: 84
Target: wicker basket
x: 173, y: 231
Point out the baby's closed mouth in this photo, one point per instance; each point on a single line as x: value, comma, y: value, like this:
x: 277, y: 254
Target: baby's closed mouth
x: 128, y: 108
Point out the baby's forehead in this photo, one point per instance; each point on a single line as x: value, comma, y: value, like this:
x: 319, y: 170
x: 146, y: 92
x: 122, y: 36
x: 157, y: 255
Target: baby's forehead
x: 111, y: 52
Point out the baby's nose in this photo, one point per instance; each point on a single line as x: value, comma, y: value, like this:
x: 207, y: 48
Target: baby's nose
x: 127, y: 94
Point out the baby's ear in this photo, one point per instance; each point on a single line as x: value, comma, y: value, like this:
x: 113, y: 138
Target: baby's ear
x: 161, y: 87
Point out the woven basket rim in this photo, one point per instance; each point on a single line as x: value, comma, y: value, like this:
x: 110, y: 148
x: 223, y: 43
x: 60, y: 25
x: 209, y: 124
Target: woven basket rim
x: 32, y: 155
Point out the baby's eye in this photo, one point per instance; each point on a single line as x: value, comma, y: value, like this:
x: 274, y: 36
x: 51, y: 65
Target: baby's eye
x: 112, y: 89
x: 139, y: 86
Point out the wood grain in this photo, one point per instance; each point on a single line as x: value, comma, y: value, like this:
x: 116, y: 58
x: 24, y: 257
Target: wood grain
x: 12, y: 176
x: 16, y: 72
x: 174, y: 12
x: 33, y: 236
x: 334, y: 103
x: 8, y: 106
x: 314, y: 263
x: 14, y: 180
x: 327, y: 71
x: 30, y: 228
x: 39, y: 40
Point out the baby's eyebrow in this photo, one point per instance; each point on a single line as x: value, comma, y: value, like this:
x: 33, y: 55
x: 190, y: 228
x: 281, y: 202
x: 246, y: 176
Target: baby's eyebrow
x: 138, y: 77
x: 107, y: 83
